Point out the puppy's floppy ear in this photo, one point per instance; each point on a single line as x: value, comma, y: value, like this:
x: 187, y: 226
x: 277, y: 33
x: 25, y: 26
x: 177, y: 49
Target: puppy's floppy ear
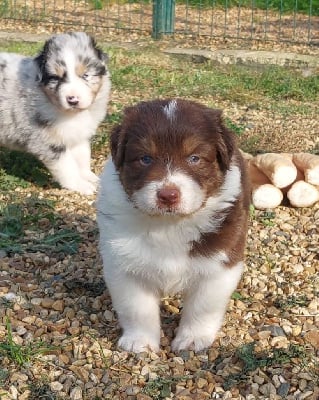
x: 225, y: 141
x: 99, y: 53
x: 119, y: 136
x: 41, y: 58
x: 104, y: 57
x: 117, y: 146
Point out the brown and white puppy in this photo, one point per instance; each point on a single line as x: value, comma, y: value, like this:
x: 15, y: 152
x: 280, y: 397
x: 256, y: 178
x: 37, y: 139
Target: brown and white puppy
x: 172, y: 214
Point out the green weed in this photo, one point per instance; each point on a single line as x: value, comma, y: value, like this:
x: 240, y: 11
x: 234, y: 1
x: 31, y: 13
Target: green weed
x: 279, y: 83
x: 287, y: 6
x: 19, y: 169
x: 237, y: 296
x: 250, y: 361
x: 267, y: 218
x: 4, y: 8
x: 11, y: 221
x: 26, y: 48
x: 62, y: 241
x: 315, y: 150
x: 237, y: 129
x: 41, y: 390
x: 115, y: 117
x: 97, y: 4
x: 250, y: 144
x: 38, y: 209
x: 9, y: 182
x: 21, y: 355
x: 161, y: 387
x: 17, y: 218
x: 288, y: 302
x: 4, y: 374
x: 97, y: 287
x: 100, y: 4
x: 6, y: 303
x: 105, y: 360
x: 238, y: 83
x: 252, y: 211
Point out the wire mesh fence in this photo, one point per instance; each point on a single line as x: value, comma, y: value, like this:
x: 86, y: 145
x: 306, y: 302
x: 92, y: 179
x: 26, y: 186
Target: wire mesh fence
x: 294, y: 21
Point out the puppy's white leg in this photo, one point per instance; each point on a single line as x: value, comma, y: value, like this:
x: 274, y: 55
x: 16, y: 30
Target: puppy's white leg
x: 138, y: 312
x: 204, y: 309
x: 66, y: 171
x: 82, y: 155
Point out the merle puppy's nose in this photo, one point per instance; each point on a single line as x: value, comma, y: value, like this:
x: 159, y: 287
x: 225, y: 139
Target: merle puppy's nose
x: 72, y: 100
x: 168, y: 197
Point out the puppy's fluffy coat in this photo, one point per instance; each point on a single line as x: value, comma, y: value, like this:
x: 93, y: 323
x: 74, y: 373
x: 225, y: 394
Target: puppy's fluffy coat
x: 172, y: 214
x: 51, y: 105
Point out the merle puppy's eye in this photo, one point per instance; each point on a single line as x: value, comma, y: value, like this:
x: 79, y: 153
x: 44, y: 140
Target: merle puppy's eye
x: 146, y: 160
x: 193, y: 159
x: 86, y: 76
x: 54, y: 78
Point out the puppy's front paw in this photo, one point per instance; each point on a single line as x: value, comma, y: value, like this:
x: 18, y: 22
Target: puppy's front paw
x: 81, y: 186
x: 187, y: 339
x: 138, y: 343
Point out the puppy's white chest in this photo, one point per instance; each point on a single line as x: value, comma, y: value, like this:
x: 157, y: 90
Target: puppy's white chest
x: 162, y: 260
x: 155, y: 254
x: 72, y: 130
x: 161, y: 257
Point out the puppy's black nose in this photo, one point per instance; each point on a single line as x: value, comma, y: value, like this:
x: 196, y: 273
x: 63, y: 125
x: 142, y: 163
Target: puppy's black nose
x: 168, y: 197
x: 72, y: 100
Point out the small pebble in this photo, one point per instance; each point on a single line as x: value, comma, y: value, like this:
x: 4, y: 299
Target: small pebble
x: 21, y: 330
x: 283, y: 389
x: 275, y: 330
x: 132, y: 390
x: 76, y: 393
x: 14, y: 392
x: 267, y: 389
x: 56, y: 386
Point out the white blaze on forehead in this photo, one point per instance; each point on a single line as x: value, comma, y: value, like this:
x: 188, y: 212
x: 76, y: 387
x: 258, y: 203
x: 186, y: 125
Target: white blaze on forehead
x: 70, y: 61
x: 170, y: 110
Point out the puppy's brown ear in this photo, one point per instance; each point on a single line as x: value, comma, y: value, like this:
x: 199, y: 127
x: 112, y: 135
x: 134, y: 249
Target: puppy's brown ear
x: 119, y: 136
x: 225, y: 141
x: 117, y: 146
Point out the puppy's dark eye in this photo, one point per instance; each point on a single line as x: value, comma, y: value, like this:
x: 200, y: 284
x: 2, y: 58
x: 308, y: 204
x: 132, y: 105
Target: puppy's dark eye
x: 54, y: 78
x: 85, y: 76
x: 193, y: 159
x: 146, y: 160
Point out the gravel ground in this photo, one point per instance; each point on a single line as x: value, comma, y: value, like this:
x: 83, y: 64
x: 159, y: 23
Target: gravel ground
x: 57, y: 306
x: 58, y: 331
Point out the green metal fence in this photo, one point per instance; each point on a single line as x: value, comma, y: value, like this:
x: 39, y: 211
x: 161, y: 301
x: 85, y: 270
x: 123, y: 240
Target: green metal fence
x: 294, y: 21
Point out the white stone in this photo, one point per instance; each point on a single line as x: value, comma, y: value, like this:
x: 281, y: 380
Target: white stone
x: 76, y: 393
x: 56, y: 386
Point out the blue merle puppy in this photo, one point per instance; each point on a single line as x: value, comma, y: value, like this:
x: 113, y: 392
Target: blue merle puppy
x: 52, y: 104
